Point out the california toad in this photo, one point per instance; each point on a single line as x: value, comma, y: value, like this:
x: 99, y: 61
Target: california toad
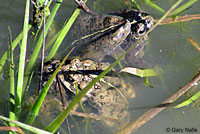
x: 109, y: 96
x: 107, y: 35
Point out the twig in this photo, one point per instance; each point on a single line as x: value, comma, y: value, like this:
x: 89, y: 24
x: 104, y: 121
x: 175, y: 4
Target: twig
x: 179, y: 19
x: 82, y: 5
x: 43, y: 45
x: 11, y: 128
x: 194, y: 43
x: 64, y: 102
x: 63, y: 99
x: 67, y: 123
x: 154, y: 111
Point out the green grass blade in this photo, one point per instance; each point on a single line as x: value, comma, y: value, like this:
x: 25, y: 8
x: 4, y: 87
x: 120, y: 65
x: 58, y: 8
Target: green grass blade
x: 139, y: 72
x: 182, y: 8
x: 154, y: 6
x: 14, y: 44
x: 39, y: 43
x: 52, y: 40
x: 189, y: 101
x: 63, y: 34
x: 12, y: 81
x: 22, y: 59
x: 146, y: 81
x: 25, y: 126
x: 35, y: 109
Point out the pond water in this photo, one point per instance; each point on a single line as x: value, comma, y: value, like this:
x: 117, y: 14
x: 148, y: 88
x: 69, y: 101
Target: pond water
x: 168, y: 50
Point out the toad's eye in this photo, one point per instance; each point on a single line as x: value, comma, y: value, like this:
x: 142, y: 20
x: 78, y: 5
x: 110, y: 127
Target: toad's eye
x: 149, y: 22
x: 141, y: 30
x: 47, y: 69
x: 143, y: 25
x: 50, y: 70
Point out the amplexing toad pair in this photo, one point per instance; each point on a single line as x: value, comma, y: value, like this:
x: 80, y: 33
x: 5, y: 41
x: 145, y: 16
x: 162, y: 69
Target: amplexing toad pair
x: 107, y: 35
